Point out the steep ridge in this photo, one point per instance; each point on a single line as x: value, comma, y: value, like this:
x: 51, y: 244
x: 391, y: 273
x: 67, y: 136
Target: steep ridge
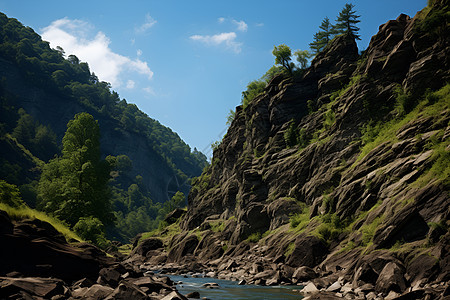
x: 344, y: 169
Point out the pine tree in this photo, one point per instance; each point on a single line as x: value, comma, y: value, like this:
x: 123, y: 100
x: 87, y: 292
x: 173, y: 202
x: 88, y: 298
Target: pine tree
x: 346, y: 22
x: 323, y: 37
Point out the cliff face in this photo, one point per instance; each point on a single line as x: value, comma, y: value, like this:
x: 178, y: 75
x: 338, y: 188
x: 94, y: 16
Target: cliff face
x: 368, y: 168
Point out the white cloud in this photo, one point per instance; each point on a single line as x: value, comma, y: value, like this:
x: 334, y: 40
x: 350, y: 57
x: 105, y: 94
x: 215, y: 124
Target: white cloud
x: 73, y: 37
x: 130, y: 84
x: 259, y: 24
x: 221, y: 20
x: 226, y: 38
x: 149, y: 22
x: 139, y: 52
x: 241, y: 25
x: 149, y: 91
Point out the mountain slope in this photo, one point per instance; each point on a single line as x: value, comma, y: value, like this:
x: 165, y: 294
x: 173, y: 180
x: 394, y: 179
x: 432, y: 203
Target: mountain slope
x: 41, y: 91
x: 344, y: 168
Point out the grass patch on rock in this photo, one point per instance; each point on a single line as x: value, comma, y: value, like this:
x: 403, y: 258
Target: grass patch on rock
x: 25, y: 212
x: 433, y: 105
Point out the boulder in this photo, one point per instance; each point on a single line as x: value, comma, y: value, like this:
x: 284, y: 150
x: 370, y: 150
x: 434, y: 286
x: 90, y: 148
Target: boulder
x: 423, y: 267
x: 36, y: 256
x: 335, y: 287
x: 193, y: 295
x: 111, y: 275
x: 126, y: 291
x: 174, y: 215
x: 275, y: 280
x: 179, y: 250
x: 256, y: 217
x: 151, y: 285
x: 364, y: 274
x: 211, y: 285
x: 174, y: 296
x: 209, y: 248
x: 391, y: 279
x: 304, y: 273
x: 407, y: 226
x: 36, y: 286
x: 95, y: 292
x: 308, y: 251
x: 309, y: 288
x: 147, y: 245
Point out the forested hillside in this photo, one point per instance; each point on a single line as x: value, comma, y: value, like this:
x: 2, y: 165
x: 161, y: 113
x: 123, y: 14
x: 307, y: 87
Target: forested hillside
x: 42, y: 89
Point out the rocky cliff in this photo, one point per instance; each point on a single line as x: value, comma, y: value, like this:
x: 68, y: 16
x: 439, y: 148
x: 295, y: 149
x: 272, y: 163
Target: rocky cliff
x: 344, y: 169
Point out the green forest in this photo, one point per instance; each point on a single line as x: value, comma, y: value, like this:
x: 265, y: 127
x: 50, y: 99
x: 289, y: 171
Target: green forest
x: 68, y: 177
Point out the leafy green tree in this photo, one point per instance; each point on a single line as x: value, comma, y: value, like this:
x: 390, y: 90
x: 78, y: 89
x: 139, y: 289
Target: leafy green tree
x: 176, y: 202
x: 44, y: 143
x: 282, y: 55
x: 76, y: 184
x: 25, y: 129
x: 271, y: 73
x: 302, y: 57
x: 254, y: 88
x: 323, y: 37
x: 10, y: 195
x: 37, y: 138
x: 346, y: 22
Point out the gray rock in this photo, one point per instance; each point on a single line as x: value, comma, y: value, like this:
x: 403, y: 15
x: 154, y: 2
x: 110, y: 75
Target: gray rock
x: 334, y: 287
x: 41, y: 287
x: 174, y: 296
x: 309, y: 288
x: 125, y: 291
x: 390, y: 279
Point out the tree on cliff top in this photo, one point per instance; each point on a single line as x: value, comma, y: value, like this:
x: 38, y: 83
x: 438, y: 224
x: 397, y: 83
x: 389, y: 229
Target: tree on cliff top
x: 323, y: 36
x: 346, y: 22
x: 282, y: 55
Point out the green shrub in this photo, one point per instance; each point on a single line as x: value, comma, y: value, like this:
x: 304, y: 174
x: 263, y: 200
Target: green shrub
x: 254, y: 88
x: 294, y: 136
x: 299, y: 221
x: 368, y: 230
x: 405, y: 102
x: 10, y: 195
x: 254, y: 237
x: 217, y: 226
x: 289, y: 249
x: 92, y: 229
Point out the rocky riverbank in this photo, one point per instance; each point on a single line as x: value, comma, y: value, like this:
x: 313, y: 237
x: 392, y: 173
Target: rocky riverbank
x: 38, y: 263
x: 379, y: 275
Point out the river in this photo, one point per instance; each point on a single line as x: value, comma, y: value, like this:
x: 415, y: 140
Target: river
x: 231, y: 289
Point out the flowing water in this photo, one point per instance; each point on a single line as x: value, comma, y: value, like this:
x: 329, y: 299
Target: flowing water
x: 231, y: 289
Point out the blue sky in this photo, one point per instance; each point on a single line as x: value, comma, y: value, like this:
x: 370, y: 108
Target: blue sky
x: 185, y: 63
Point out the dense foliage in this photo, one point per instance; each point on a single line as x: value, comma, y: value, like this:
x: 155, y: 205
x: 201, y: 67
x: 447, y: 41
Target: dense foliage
x: 26, y: 144
x: 75, y: 185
